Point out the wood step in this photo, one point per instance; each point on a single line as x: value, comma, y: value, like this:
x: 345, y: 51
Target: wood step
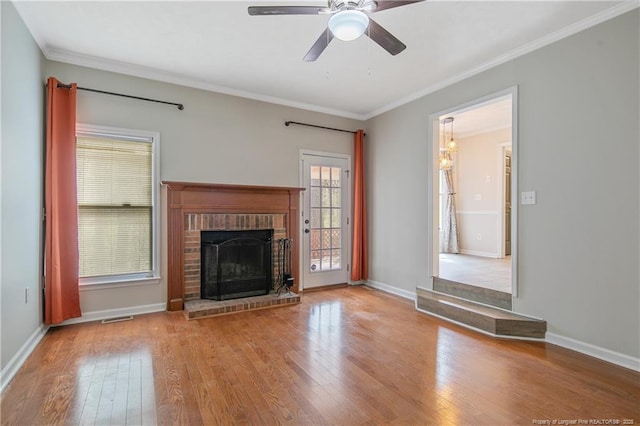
x: 482, y: 295
x: 492, y: 320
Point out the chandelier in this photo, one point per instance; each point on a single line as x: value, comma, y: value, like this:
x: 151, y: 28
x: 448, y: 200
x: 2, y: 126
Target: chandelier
x: 447, y: 147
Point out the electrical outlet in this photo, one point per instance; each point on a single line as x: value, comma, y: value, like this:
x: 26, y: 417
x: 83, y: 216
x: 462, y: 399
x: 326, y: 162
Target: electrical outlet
x: 478, y: 236
x: 528, y: 197
x: 478, y: 197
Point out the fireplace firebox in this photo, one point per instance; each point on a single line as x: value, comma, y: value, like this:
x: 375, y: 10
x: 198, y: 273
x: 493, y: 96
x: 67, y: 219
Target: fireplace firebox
x: 236, y: 264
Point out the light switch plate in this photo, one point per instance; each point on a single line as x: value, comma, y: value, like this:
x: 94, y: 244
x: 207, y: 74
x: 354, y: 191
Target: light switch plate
x: 527, y: 197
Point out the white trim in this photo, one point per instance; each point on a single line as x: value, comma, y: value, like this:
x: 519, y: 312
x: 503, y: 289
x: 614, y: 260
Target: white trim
x: 119, y: 283
x: 479, y: 253
x: 109, y: 131
x: 604, y: 354
x: 95, y: 62
x: 433, y: 196
x: 12, y: 367
x: 513, y: 54
x: 304, y: 152
x: 118, y: 312
x: 390, y: 289
x: 515, y: 166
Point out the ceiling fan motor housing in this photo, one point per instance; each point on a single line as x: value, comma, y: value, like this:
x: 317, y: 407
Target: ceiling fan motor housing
x: 363, y: 5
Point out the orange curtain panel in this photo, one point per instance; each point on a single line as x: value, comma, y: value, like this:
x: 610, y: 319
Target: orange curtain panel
x: 62, y: 298
x: 359, y: 262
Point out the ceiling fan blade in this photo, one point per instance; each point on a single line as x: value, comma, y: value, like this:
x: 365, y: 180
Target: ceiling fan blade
x: 318, y: 47
x: 388, y: 4
x: 384, y: 38
x: 286, y: 10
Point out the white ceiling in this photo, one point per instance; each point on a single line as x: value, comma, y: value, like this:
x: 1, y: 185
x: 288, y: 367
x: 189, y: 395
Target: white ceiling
x: 216, y: 45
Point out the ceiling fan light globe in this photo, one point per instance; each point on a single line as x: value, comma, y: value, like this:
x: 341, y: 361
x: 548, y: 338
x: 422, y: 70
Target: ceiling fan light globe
x: 348, y: 25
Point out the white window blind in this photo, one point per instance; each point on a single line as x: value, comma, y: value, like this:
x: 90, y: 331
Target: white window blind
x: 115, y: 205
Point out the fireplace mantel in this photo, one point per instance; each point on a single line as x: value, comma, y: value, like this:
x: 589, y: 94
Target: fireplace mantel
x: 185, y: 198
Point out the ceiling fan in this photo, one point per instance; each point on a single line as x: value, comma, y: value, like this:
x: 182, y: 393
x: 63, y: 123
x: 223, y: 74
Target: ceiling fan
x: 349, y: 20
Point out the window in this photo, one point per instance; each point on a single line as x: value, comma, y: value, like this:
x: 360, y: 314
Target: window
x: 326, y: 218
x: 116, y: 177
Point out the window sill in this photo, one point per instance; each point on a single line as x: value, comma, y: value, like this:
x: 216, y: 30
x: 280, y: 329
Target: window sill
x: 118, y: 283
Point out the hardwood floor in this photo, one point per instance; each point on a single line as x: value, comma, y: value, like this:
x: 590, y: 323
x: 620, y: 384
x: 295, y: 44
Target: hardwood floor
x: 345, y: 356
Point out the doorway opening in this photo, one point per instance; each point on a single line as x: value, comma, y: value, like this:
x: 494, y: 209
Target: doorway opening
x: 473, y: 190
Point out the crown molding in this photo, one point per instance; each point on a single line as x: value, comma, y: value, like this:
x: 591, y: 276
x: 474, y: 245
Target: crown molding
x: 89, y: 61
x: 565, y: 32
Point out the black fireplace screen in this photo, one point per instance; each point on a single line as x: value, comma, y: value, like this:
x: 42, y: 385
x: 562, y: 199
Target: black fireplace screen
x: 236, y: 263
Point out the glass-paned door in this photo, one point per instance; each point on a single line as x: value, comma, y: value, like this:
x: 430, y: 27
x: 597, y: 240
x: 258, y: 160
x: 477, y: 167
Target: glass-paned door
x: 326, y: 252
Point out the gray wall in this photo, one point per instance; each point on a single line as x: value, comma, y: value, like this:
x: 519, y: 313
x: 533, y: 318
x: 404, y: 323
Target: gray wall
x: 216, y: 139
x: 578, y: 148
x: 21, y: 184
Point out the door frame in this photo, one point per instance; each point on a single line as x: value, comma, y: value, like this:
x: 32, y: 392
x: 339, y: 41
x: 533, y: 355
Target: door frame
x: 347, y: 201
x: 433, y: 146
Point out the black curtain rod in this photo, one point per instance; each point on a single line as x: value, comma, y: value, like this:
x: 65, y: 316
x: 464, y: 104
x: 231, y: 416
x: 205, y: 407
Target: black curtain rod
x: 286, y: 123
x: 68, y: 86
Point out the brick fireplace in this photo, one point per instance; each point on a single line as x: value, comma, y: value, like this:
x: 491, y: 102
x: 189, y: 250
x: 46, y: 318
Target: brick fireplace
x: 196, y: 207
x: 197, y: 222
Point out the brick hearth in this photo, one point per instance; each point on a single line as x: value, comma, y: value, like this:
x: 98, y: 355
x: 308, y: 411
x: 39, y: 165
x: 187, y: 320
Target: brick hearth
x: 202, y: 308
